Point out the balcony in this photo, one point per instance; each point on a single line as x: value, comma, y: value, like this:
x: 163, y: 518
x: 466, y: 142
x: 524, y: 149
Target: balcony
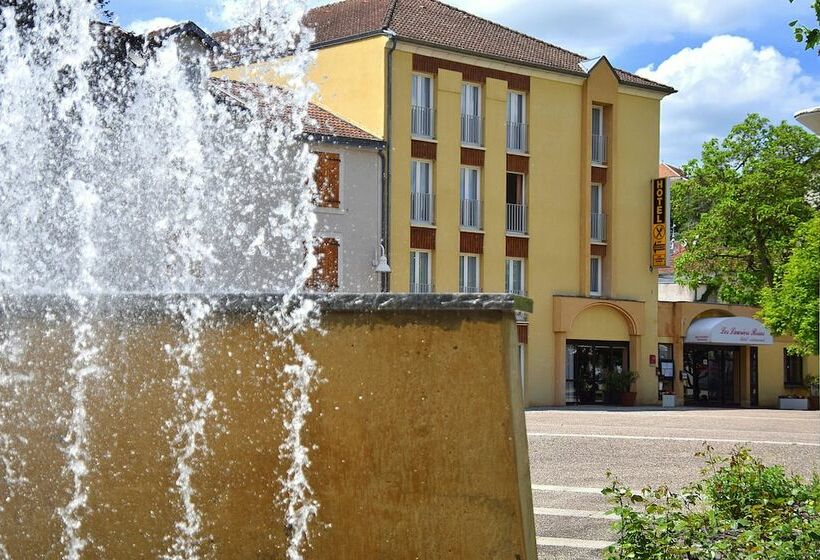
x: 471, y: 130
x: 597, y: 227
x: 465, y: 289
x: 470, y: 213
x: 517, y: 137
x: 516, y: 218
x: 422, y: 121
x: 421, y: 288
x: 598, y: 149
x: 421, y: 208
x: 517, y: 291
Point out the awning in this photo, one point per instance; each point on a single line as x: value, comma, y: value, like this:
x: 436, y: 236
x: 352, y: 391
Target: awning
x: 728, y: 331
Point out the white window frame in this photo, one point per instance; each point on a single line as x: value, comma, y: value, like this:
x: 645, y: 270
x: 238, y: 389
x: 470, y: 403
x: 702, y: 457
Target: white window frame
x: 509, y: 276
x: 472, y: 87
x: 464, y: 269
x: 415, y: 268
x: 419, y: 78
x: 522, y: 118
x: 597, y: 262
x: 415, y: 184
x: 600, y: 133
x: 464, y: 172
x: 599, y: 109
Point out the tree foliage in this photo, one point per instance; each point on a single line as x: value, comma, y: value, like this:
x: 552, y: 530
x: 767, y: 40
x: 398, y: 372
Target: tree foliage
x: 791, y: 306
x: 805, y: 33
x: 737, y: 212
x: 742, y: 509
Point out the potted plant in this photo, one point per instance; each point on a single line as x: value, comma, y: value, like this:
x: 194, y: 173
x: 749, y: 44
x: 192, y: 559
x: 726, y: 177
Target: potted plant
x: 618, y: 386
x: 793, y: 402
x: 813, y: 385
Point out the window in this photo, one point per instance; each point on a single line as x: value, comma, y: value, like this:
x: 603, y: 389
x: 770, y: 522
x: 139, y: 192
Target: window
x: 420, y: 275
x: 325, y: 277
x: 516, y: 204
x: 468, y: 274
x: 422, y: 110
x: 471, y: 114
x: 792, y: 369
x: 326, y: 176
x: 598, y: 138
x: 514, y: 278
x: 595, y: 276
x: 421, y: 192
x: 597, y: 230
x: 470, y: 198
x: 516, y: 122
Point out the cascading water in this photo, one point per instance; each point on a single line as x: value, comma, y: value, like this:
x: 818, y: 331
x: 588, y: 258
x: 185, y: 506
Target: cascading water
x: 124, y: 170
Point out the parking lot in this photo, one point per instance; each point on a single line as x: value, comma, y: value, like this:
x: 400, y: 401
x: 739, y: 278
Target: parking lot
x: 571, y: 450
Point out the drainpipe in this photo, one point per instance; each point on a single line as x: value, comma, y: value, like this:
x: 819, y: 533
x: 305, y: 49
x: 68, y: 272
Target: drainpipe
x: 386, y: 154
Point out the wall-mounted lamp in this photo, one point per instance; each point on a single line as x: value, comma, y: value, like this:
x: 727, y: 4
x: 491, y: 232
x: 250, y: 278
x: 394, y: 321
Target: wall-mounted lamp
x: 381, y: 262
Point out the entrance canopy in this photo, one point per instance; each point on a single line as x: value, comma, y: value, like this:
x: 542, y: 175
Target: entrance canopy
x: 728, y: 331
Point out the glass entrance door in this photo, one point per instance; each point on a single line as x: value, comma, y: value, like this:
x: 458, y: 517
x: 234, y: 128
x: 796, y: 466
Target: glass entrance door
x: 588, y: 363
x: 709, y: 375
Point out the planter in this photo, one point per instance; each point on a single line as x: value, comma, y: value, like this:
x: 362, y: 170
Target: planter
x: 788, y: 403
x: 814, y: 403
x: 627, y: 399
x: 669, y: 401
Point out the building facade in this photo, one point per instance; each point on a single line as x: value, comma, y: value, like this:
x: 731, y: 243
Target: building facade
x: 514, y: 166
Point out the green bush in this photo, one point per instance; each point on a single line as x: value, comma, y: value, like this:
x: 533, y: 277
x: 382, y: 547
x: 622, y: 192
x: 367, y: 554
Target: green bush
x: 740, y: 510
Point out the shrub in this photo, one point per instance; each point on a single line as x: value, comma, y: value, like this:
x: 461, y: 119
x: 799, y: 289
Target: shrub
x: 741, y: 509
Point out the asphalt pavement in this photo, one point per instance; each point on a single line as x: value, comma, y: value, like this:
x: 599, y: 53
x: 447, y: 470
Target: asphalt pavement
x: 571, y: 450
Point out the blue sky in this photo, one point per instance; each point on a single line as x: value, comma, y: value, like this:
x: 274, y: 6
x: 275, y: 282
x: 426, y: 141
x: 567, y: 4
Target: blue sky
x: 727, y: 58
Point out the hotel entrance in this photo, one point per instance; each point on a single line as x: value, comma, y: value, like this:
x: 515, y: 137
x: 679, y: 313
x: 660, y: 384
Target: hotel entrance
x: 588, y: 364
x: 711, y: 375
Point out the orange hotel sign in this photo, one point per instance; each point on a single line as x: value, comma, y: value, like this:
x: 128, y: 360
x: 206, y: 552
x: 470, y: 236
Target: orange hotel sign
x: 659, y: 224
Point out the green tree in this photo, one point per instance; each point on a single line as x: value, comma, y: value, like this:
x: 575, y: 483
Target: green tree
x: 806, y: 34
x: 791, y: 306
x: 737, y: 212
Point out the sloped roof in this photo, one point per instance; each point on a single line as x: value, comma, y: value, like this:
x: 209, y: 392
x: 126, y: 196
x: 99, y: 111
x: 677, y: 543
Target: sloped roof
x: 320, y: 123
x: 666, y: 170
x: 438, y: 24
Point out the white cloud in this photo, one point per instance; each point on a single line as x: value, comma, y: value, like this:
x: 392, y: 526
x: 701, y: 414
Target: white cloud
x: 141, y: 26
x: 594, y: 27
x: 719, y: 83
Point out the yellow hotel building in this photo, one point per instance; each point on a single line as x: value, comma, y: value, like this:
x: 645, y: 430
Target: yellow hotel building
x: 513, y: 166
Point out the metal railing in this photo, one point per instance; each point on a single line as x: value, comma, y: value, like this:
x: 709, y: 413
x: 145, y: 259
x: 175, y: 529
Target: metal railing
x: 422, y: 119
x: 471, y: 129
x: 517, y: 218
x: 470, y: 213
x: 421, y: 207
x: 517, y: 136
x: 517, y: 292
x: 421, y: 288
x: 597, y: 227
x: 599, y: 149
x: 468, y: 289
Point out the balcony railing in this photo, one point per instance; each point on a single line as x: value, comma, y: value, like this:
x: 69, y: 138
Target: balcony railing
x: 517, y: 291
x: 422, y: 121
x: 465, y: 289
x: 597, y: 227
x: 421, y: 208
x: 421, y: 288
x: 516, y: 218
x: 471, y: 129
x: 470, y: 213
x: 598, y: 149
x: 517, y: 136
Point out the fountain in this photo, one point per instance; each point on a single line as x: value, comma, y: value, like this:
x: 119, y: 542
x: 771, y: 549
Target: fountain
x: 127, y: 174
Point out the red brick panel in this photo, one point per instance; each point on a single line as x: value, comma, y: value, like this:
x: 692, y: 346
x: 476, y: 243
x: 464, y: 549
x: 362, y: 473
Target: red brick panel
x: 523, y: 333
x: 518, y: 164
x: 599, y: 175
x: 422, y: 238
x: 423, y: 150
x: 472, y: 157
x: 518, y: 247
x: 472, y: 242
x: 597, y: 250
x: 325, y: 276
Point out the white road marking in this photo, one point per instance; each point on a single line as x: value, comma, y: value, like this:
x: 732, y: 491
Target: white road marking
x: 570, y: 489
x: 585, y: 513
x: 571, y: 543
x: 670, y: 438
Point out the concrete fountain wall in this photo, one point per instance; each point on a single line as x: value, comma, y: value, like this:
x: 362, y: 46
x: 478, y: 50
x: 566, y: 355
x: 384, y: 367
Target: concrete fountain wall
x: 421, y: 448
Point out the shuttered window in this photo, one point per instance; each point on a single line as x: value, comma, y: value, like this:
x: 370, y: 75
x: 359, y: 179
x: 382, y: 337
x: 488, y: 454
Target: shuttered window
x: 326, y: 176
x: 325, y: 277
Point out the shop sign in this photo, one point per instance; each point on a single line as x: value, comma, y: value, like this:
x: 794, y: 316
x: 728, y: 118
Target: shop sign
x: 659, y: 234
